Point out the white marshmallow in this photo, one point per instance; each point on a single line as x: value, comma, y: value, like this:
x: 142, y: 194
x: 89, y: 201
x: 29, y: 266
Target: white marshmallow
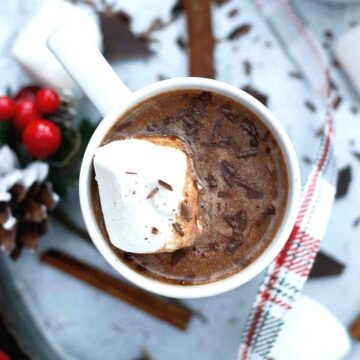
x: 311, y: 332
x: 30, y: 47
x: 347, y: 50
x: 128, y: 214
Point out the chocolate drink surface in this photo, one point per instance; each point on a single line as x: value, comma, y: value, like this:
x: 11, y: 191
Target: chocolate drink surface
x: 241, y: 173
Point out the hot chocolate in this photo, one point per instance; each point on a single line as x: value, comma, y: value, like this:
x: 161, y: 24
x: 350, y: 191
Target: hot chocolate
x: 240, y: 181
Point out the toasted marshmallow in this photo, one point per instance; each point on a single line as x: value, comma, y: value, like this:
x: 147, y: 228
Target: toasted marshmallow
x: 148, y: 193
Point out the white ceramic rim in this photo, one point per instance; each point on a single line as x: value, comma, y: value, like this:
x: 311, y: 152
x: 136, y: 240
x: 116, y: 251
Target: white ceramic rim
x: 259, y: 264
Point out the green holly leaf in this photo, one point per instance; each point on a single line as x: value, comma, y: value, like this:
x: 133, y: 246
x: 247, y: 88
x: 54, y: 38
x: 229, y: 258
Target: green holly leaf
x: 4, y: 132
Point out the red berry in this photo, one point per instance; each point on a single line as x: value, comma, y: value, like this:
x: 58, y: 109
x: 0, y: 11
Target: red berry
x: 7, y: 108
x: 47, y: 100
x: 27, y: 92
x: 25, y: 112
x: 41, y: 138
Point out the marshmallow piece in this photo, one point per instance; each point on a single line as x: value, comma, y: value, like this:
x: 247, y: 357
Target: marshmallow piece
x: 134, y: 201
x: 347, y: 50
x: 30, y: 47
x: 311, y: 332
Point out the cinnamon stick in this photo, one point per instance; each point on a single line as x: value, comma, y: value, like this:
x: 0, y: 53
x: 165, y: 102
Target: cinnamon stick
x: 200, y: 37
x: 174, y: 314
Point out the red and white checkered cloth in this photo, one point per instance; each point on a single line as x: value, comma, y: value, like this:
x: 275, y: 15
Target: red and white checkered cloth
x: 286, y: 276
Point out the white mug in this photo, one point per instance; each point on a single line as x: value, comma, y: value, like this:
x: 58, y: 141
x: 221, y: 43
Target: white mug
x: 113, y: 99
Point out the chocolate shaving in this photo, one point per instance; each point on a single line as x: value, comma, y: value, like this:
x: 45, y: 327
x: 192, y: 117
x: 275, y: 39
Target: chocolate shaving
x: 252, y: 131
x: 237, y: 222
x: 229, y: 113
x: 152, y: 193
x: 343, y: 182
x: 181, y: 42
x: 296, y: 75
x: 130, y: 173
x: 326, y: 265
x: 247, y: 153
x: 328, y: 35
x: 310, y: 105
x: 215, y: 134
x: 186, y: 211
x: 232, y: 13
x: 337, y: 102
x: 177, y: 227
x: 154, y: 230
x: 228, y: 168
x: 256, y: 94
x: 211, y: 181
x: 165, y: 185
x: 232, y: 246
x: 251, y: 192
x: 247, y: 67
x: 356, y: 222
x: 239, y: 31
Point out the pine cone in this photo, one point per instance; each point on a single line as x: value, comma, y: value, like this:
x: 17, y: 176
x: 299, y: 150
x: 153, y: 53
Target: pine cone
x: 25, y: 200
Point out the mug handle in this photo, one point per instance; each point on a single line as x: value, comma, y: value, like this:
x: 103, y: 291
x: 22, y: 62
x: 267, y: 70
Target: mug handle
x: 88, y: 67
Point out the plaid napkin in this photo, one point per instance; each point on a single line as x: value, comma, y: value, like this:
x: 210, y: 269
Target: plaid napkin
x: 286, y: 276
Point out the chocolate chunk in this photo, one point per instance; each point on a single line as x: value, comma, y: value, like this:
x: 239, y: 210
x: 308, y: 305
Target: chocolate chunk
x: 256, y: 94
x: 177, y: 227
x: 228, y: 168
x: 239, y: 31
x: 247, y: 67
x: 165, y: 185
x: 247, y: 153
x: 154, y: 230
x: 186, y: 211
x: 215, y: 134
x: 232, y: 13
x: 237, y: 222
x: 176, y: 256
x: 337, y: 101
x: 211, y: 181
x: 232, y: 246
x: 310, y: 105
x: 296, y: 75
x: 343, y: 182
x: 152, y: 193
x: 252, y: 131
x: 326, y: 265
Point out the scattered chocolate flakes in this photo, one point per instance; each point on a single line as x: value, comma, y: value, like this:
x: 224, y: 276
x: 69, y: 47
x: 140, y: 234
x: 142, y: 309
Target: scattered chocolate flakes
x: 232, y: 246
x: 228, y: 168
x: 130, y: 173
x: 237, y: 222
x: 177, y: 227
x: 337, y: 101
x: 354, y: 110
x: 343, y: 182
x: 154, y: 231
x: 356, y: 222
x: 247, y: 153
x: 211, y: 181
x: 229, y: 113
x: 176, y: 256
x: 215, y: 134
x: 328, y: 35
x: 310, y: 105
x: 181, y: 42
x: 256, y: 94
x: 251, y: 191
x: 355, y: 329
x: 232, y: 13
x: 239, y: 31
x: 357, y: 155
x: 247, y: 67
x: 307, y: 160
x: 325, y: 265
x: 250, y: 128
x: 186, y: 211
x: 152, y: 193
x: 165, y: 185
x: 296, y: 75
